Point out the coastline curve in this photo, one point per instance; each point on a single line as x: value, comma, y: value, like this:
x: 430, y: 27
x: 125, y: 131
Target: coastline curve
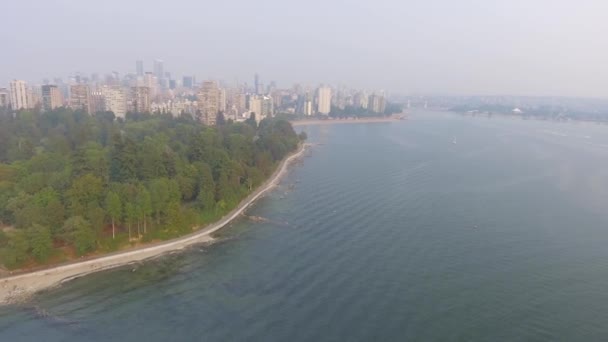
x: 17, y: 287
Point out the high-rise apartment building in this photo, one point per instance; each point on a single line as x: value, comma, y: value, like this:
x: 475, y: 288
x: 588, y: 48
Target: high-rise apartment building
x: 208, y: 102
x: 18, y: 94
x: 222, y: 100
x: 51, y: 97
x: 140, y: 99
x: 97, y: 102
x: 308, y: 105
x: 324, y: 100
x: 80, y: 97
x: 114, y: 100
x: 151, y: 82
x: 255, y: 107
x: 267, y: 107
x: 376, y: 103
x: 139, y: 68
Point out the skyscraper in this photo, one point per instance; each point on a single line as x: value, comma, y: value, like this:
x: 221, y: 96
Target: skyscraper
x: 139, y: 68
x: 80, y: 97
x: 18, y: 91
x: 324, y: 100
x: 256, y: 84
x: 51, y: 97
x: 159, y: 69
x: 208, y: 102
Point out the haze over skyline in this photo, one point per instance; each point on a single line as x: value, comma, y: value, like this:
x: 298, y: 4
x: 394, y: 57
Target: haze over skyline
x: 555, y: 48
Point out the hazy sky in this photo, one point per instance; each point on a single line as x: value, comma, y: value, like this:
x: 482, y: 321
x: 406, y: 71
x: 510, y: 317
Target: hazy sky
x: 542, y: 47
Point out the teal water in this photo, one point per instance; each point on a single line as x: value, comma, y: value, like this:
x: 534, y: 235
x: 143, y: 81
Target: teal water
x: 384, y: 232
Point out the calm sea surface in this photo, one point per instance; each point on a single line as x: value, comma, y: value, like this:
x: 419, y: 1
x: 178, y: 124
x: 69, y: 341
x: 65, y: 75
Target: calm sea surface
x: 438, y: 228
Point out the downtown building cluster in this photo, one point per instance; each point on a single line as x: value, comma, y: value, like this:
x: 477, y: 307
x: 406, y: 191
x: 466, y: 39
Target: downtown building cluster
x: 157, y: 91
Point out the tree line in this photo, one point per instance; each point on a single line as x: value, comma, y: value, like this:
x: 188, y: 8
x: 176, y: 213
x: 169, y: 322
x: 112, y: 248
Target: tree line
x: 73, y: 184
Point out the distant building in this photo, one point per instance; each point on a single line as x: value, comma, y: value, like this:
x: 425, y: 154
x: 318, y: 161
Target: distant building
x: 5, y: 98
x: 261, y: 106
x: 235, y: 103
x: 139, y: 68
x: 324, y: 100
x: 208, y: 102
x: 97, y: 102
x: 256, y: 83
x: 360, y: 100
x: 308, y: 105
x: 140, y: 99
x: 19, y: 94
x: 188, y: 82
x: 80, y: 97
x: 376, y: 103
x: 51, y: 97
x: 267, y: 107
x: 222, y: 100
x: 159, y: 68
x: 255, y: 107
x: 114, y: 100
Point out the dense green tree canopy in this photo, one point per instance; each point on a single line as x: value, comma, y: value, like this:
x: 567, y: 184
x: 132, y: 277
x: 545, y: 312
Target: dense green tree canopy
x: 71, y: 183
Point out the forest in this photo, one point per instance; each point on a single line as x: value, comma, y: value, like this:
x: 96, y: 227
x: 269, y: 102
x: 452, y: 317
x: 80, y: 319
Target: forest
x: 72, y: 184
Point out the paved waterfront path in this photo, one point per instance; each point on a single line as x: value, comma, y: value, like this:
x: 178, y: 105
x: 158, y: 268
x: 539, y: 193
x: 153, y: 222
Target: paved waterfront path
x: 17, y: 287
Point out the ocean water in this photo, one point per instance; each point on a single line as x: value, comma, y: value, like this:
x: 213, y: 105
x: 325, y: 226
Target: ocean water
x: 437, y: 228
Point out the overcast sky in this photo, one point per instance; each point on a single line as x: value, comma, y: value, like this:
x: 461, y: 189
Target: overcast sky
x: 532, y: 47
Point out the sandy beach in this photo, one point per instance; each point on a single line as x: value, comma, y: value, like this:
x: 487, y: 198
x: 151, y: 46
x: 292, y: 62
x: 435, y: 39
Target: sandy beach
x: 344, y: 121
x: 19, y: 287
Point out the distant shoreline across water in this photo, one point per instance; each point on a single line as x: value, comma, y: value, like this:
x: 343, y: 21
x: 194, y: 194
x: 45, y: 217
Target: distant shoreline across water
x: 306, y: 122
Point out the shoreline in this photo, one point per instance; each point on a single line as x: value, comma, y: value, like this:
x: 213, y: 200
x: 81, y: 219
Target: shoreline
x: 17, y: 287
x: 306, y: 122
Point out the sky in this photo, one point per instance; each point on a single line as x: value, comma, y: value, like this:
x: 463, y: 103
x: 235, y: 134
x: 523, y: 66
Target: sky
x: 463, y: 47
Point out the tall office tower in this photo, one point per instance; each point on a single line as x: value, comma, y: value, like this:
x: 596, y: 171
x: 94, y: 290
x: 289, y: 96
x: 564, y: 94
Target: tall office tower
x: 159, y: 69
x: 114, y: 100
x: 256, y: 84
x: 140, y: 99
x: 80, y: 97
x: 139, y: 68
x: 188, y: 82
x: 18, y: 93
x: 324, y: 100
x: 4, y: 98
x: 51, y: 97
x: 208, y: 102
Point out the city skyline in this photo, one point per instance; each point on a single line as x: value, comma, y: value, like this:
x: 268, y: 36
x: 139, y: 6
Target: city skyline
x: 158, y: 91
